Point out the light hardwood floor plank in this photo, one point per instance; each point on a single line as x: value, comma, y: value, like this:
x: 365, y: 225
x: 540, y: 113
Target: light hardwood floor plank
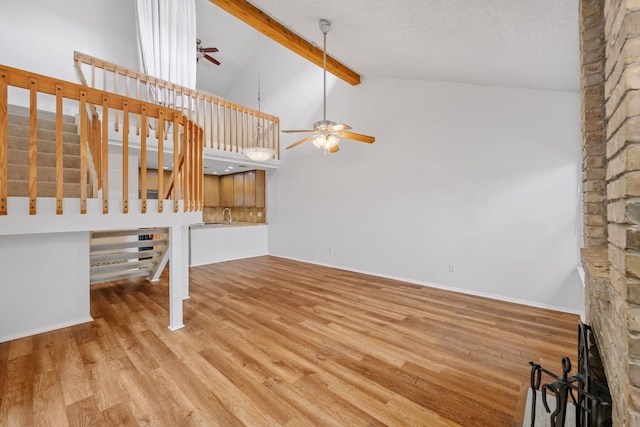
x: 275, y: 342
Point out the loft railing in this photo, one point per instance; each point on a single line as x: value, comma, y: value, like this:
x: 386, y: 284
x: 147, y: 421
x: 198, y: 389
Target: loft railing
x: 226, y: 126
x: 186, y: 183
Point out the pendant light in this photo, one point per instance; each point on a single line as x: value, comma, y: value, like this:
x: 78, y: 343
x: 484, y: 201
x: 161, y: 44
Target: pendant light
x: 258, y: 152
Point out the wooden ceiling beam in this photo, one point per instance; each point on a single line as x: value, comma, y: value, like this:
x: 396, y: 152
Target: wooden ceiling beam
x: 262, y: 22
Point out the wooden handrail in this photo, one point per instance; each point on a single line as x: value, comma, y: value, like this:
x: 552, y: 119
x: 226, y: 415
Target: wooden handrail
x: 225, y: 125
x: 92, y: 131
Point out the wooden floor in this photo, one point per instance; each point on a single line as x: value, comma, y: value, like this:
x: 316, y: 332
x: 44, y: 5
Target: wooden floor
x: 272, y: 342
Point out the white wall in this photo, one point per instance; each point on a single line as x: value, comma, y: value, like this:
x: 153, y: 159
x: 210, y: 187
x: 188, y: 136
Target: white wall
x: 33, y: 299
x: 481, y: 177
x: 41, y: 35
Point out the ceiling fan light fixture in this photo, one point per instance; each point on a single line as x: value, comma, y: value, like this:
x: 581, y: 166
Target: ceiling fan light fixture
x: 319, y: 141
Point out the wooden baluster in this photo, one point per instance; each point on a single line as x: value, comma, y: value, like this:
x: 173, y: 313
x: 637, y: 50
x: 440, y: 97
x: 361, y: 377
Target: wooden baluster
x: 146, y: 128
x: 236, y: 120
x: 143, y: 160
x: 200, y: 152
x: 184, y: 170
x: 117, y: 113
x: 278, y: 137
x: 186, y: 139
x: 212, y: 133
x: 138, y: 97
x: 194, y: 169
x: 83, y: 152
x: 59, y: 153
x: 104, y: 77
x: 206, y: 123
x: 197, y: 107
x: 196, y: 177
x: 97, y: 151
x: 167, y: 103
x: 4, y: 144
x: 224, y: 123
x: 176, y: 162
x: 127, y: 81
x: 125, y: 157
x: 93, y: 72
x: 105, y: 154
x: 160, y: 130
x: 243, y: 115
x: 252, y: 129
x: 219, y: 123
x: 33, y: 145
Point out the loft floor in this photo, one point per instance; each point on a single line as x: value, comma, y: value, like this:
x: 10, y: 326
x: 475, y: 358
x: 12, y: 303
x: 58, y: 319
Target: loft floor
x: 270, y: 341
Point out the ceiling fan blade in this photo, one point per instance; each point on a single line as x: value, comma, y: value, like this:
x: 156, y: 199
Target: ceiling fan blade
x: 209, y: 49
x: 297, y: 130
x: 334, y: 149
x: 212, y: 59
x: 357, y: 137
x: 335, y: 128
x: 303, y: 140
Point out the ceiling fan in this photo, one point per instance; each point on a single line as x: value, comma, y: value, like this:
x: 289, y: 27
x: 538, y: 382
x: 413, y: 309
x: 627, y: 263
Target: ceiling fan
x: 202, y: 52
x: 327, y: 134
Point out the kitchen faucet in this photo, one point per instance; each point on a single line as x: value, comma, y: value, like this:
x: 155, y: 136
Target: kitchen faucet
x: 225, y: 210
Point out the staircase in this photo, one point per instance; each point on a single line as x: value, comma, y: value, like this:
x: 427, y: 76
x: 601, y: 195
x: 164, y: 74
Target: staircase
x: 123, y: 254
x: 18, y: 154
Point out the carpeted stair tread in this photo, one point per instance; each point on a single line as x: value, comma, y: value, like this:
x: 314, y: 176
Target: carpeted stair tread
x: 41, y: 134
x: 21, y: 157
x: 44, y: 146
x: 44, y: 189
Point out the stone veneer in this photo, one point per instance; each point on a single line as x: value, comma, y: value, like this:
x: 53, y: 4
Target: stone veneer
x: 610, y: 86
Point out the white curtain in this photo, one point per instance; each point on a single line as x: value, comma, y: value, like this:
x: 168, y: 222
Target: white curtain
x: 167, y: 41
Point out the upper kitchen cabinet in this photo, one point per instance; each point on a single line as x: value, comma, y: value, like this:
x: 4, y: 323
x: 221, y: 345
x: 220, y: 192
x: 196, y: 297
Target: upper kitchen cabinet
x: 261, y: 189
x: 226, y: 191
x: 254, y: 189
x: 211, y: 191
x: 238, y: 189
x: 250, y: 189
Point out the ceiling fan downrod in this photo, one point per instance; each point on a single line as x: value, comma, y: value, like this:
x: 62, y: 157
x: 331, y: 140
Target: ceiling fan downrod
x: 325, y: 26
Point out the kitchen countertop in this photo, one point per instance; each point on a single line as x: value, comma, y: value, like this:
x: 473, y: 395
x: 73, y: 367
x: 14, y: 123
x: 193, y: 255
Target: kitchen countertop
x: 224, y: 224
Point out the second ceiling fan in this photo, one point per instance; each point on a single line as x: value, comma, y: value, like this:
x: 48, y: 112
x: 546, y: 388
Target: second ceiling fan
x: 202, y: 52
x: 327, y: 134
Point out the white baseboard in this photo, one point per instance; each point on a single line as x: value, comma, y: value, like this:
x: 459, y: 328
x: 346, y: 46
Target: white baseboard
x: 48, y: 328
x: 445, y: 288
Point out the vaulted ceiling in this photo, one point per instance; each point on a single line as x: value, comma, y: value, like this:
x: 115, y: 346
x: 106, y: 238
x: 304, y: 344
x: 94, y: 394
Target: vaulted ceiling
x: 518, y: 43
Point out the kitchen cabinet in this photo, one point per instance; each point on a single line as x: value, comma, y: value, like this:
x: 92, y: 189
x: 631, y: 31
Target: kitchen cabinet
x: 226, y: 191
x: 211, y: 191
x: 261, y: 189
x: 238, y: 189
x: 254, y: 189
x: 250, y: 189
x: 242, y: 189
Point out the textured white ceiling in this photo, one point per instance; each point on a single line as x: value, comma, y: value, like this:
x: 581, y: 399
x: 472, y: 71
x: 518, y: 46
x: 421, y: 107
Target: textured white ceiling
x: 522, y: 43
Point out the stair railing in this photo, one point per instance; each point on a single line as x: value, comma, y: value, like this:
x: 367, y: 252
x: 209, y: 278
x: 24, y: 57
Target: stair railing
x: 226, y: 126
x: 187, y: 140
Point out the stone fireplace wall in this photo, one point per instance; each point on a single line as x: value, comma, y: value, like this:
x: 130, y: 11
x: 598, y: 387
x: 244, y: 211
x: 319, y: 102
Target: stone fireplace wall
x: 610, y: 85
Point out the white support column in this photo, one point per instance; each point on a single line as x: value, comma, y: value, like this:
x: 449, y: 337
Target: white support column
x: 185, y: 261
x: 176, y: 276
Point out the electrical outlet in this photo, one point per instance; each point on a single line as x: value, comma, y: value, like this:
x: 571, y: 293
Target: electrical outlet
x: 250, y: 213
x: 330, y: 250
x: 259, y: 214
x: 452, y: 268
